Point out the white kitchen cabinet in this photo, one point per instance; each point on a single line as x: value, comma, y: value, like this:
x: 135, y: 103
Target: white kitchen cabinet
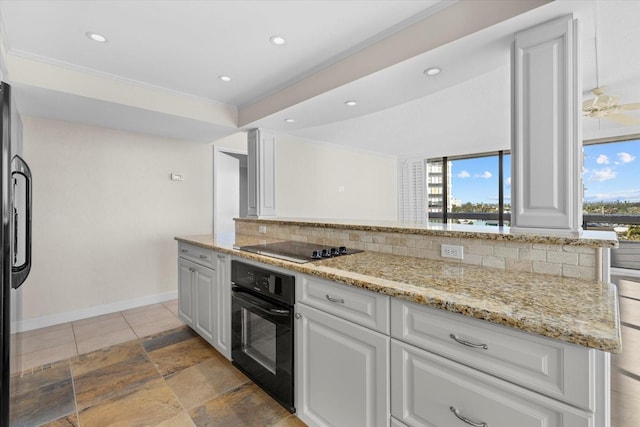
x: 547, y: 138
x: 554, y: 368
x: 204, y: 295
x: 261, y: 172
x: 430, y: 391
x: 342, y: 371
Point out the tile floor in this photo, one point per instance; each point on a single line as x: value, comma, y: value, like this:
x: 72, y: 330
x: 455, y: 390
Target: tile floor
x: 625, y: 367
x: 144, y: 367
x: 139, y: 367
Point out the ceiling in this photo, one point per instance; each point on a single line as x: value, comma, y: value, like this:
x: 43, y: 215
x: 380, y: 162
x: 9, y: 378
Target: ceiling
x: 158, y: 72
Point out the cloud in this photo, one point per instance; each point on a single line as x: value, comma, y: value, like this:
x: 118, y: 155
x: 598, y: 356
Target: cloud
x: 603, y: 159
x: 463, y: 174
x: 601, y: 175
x: 629, y: 195
x: 626, y: 157
x: 508, y: 181
x: 485, y: 175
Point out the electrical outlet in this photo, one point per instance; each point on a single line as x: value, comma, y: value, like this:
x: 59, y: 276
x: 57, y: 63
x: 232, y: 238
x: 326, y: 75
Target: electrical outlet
x: 262, y: 229
x: 451, y: 251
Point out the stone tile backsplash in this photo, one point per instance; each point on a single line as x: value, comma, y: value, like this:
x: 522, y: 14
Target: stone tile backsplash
x: 559, y: 260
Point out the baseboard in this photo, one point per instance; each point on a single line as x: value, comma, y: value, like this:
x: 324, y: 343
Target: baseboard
x: 98, y: 310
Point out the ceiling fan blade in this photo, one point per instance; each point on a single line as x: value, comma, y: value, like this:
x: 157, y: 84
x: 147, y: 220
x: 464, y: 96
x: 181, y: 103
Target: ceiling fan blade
x: 623, y: 119
x: 630, y: 106
x: 588, y: 104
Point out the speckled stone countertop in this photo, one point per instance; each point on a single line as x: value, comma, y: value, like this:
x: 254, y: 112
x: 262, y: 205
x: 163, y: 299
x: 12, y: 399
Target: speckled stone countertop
x: 571, y: 310
x: 592, y: 238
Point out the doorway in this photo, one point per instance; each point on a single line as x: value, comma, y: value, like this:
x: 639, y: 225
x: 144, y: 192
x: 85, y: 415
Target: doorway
x: 230, y: 188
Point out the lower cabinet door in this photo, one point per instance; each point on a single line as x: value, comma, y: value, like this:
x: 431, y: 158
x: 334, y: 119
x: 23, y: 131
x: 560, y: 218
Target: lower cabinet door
x: 431, y: 391
x: 205, y: 287
x: 185, y: 291
x: 342, y: 371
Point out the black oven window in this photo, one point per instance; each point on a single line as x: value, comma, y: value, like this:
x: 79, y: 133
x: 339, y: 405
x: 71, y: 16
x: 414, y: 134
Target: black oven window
x: 258, y: 339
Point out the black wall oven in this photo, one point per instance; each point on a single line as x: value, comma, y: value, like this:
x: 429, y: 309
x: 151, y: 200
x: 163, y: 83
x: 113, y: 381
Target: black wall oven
x: 262, y: 328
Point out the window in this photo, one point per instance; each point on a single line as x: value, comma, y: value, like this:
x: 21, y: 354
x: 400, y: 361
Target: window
x: 612, y: 196
x: 470, y: 189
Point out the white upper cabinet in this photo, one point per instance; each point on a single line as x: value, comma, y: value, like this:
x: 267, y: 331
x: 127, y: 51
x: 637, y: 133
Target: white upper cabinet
x: 261, y: 170
x: 547, y: 137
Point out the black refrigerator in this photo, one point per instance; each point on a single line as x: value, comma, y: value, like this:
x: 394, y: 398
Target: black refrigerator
x: 15, y: 234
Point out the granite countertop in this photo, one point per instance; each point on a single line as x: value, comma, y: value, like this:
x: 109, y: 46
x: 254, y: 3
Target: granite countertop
x: 591, y: 238
x: 571, y: 310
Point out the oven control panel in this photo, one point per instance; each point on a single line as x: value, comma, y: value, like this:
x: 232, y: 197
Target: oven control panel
x: 273, y: 284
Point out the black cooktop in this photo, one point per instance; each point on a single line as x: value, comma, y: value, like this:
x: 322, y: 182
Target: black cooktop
x: 299, y: 252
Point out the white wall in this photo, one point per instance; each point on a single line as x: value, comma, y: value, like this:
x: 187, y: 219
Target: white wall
x: 309, y: 175
x: 106, y: 213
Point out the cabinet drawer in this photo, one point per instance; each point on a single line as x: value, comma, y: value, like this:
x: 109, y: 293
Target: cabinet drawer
x: 549, y: 366
x: 196, y: 254
x: 360, y: 306
x: 428, y: 390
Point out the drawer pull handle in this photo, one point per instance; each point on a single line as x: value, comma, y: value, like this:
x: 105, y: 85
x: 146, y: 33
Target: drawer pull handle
x: 339, y: 300
x: 203, y: 257
x: 184, y: 251
x: 221, y: 256
x: 467, y: 420
x: 467, y: 343
x: 193, y: 270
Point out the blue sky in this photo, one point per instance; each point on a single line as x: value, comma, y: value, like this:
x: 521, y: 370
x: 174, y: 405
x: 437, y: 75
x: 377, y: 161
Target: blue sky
x: 611, y: 172
x: 476, y: 180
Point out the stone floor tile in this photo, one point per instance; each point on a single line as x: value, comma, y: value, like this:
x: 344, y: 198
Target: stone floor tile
x: 167, y: 338
x: 68, y: 421
x: 115, y: 380
x: 89, y: 344
x: 35, y: 359
x: 172, y: 306
x: 149, y: 405
x: 246, y: 405
x: 176, y: 357
x: 42, y: 396
x: 181, y: 420
x: 290, y: 421
x: 105, y: 357
x: 154, y: 327
x: 99, y: 326
x: 202, y: 382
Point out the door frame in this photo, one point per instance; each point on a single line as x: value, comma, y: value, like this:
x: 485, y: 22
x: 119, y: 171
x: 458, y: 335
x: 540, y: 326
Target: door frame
x: 217, y: 152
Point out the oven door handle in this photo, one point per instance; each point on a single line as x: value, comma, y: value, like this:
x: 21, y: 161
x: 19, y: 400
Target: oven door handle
x: 259, y: 304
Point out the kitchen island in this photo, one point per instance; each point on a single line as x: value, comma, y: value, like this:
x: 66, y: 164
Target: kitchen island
x: 483, y: 334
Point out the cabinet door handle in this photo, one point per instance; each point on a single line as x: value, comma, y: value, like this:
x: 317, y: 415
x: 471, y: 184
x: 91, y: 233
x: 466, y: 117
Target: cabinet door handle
x: 221, y: 256
x: 203, y: 257
x: 193, y: 270
x: 184, y: 251
x: 467, y: 343
x: 298, y: 315
x: 467, y: 420
x: 338, y: 300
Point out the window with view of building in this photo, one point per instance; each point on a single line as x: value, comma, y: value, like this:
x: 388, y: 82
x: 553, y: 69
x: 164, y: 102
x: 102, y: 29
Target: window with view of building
x: 470, y: 189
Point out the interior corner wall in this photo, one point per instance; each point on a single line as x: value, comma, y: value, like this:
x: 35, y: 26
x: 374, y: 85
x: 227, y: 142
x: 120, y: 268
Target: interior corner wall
x: 320, y: 180
x: 105, y: 214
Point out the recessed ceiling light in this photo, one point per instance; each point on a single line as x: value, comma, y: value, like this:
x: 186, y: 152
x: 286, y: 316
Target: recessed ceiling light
x: 351, y: 103
x: 96, y: 37
x: 432, y: 71
x: 224, y: 78
x: 289, y: 120
x: 277, y: 40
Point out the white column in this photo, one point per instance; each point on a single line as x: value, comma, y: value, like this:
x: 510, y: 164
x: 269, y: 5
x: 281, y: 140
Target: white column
x: 546, y: 147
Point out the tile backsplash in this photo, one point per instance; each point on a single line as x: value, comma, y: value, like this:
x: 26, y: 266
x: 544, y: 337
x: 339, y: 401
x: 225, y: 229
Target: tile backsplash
x: 559, y: 260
